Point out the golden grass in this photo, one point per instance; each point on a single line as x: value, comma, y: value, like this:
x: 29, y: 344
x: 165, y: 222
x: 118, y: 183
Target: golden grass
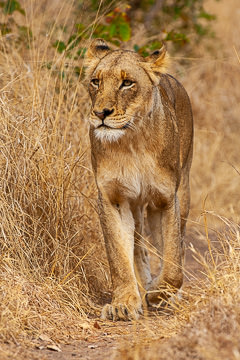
x: 53, y: 266
x: 50, y: 238
x: 206, y: 318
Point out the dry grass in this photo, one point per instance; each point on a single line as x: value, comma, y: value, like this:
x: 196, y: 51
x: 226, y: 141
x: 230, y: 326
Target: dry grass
x: 49, y: 228
x: 212, y: 82
x: 208, y: 314
x: 52, y: 265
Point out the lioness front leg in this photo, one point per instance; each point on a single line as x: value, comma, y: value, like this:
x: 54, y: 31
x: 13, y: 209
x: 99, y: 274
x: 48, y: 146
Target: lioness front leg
x: 118, y: 230
x: 171, y: 275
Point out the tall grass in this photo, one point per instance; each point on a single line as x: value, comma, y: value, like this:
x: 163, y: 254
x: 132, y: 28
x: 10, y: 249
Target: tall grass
x: 206, y: 318
x: 50, y: 235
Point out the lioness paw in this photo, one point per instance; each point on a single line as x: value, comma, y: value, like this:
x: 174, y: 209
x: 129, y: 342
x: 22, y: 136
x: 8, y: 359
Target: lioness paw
x: 123, y: 312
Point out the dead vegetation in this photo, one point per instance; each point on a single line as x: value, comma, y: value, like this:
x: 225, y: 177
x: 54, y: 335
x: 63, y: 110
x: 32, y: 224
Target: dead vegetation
x: 53, y: 268
x: 207, y: 315
x: 49, y: 228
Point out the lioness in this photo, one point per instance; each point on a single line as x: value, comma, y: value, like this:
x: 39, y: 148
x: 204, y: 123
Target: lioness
x: 141, y: 133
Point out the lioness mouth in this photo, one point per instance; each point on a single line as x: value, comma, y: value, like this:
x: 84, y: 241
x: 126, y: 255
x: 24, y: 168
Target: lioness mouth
x: 112, y: 128
x: 104, y: 126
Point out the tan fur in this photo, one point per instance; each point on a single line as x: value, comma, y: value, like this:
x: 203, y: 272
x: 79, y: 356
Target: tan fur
x: 141, y: 134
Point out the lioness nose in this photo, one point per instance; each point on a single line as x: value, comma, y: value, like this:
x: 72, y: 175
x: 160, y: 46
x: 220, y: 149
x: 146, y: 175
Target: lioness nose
x: 103, y: 114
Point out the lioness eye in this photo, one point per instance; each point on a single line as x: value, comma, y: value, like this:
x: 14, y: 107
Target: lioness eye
x: 127, y: 83
x: 95, y: 82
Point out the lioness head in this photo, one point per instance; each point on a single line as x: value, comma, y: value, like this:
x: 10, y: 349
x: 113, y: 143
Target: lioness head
x: 121, y: 88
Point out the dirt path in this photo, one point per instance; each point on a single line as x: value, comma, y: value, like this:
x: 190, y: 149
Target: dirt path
x: 105, y: 342
x: 102, y: 339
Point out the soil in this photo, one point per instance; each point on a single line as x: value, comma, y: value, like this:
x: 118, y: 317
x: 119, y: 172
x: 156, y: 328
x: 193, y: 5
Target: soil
x: 105, y: 337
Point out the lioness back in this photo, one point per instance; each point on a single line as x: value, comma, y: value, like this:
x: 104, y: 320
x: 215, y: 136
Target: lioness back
x: 175, y: 94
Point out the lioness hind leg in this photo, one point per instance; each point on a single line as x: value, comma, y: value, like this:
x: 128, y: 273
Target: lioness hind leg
x: 171, y: 275
x: 184, y: 201
x: 141, y: 259
x: 154, y: 218
x: 118, y: 230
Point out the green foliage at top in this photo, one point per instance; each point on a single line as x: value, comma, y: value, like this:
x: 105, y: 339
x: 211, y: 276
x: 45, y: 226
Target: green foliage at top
x: 177, y: 21
x: 115, y: 27
x: 188, y: 15
x: 10, y: 6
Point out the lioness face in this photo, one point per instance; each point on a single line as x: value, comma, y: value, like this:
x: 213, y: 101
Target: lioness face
x: 118, y: 87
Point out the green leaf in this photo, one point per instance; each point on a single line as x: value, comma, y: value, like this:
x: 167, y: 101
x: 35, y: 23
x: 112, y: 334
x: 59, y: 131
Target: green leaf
x: 203, y: 14
x: 200, y: 29
x: 112, y: 30
x: 81, y: 52
x: 49, y: 65
x: 62, y: 75
x: 5, y: 29
x: 73, y: 41
x: 136, y: 48
x: 60, y: 46
x: 155, y: 45
x: 25, y: 31
x: 80, y: 28
x: 11, y: 6
x: 177, y: 11
x: 124, y: 31
x: 77, y: 70
x: 144, y: 51
x: 177, y: 37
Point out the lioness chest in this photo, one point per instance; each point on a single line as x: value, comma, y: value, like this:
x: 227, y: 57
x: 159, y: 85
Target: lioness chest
x: 135, y: 177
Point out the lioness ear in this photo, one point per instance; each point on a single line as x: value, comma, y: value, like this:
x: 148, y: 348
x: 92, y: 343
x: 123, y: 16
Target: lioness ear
x: 96, y: 51
x: 159, y: 59
x: 157, y: 63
